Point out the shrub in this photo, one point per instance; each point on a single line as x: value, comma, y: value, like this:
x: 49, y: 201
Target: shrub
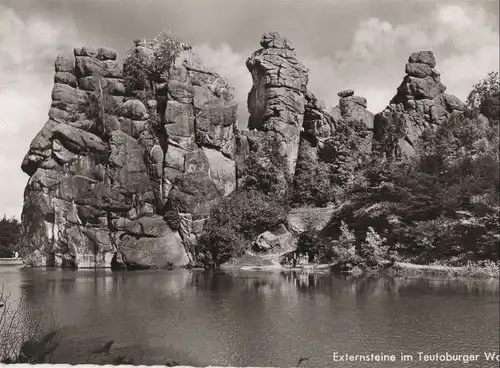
x: 344, y: 248
x: 313, y: 184
x: 339, y: 167
x: 166, y: 48
x: 172, y: 219
x: 265, y: 170
x: 135, y: 72
x: 321, y: 249
x: 99, y: 106
x: 234, y: 224
x: 141, y: 69
x: 373, y: 250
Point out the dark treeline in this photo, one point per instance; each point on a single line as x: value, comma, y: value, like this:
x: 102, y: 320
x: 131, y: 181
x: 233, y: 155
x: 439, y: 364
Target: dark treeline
x: 10, y: 232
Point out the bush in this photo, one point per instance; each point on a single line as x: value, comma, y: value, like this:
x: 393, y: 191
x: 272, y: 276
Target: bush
x: 313, y: 184
x: 344, y: 248
x: 101, y: 105
x: 439, y: 205
x: 339, y: 167
x: 373, y: 250
x: 142, y: 69
x: 166, y: 48
x: 265, y: 170
x: 235, y: 223
x: 173, y: 220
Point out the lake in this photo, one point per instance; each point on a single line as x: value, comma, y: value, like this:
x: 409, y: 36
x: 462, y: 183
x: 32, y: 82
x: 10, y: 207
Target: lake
x: 259, y: 318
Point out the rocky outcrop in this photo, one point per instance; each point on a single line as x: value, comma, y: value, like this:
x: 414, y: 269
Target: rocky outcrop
x: 419, y: 105
x: 276, y: 101
x: 112, y: 167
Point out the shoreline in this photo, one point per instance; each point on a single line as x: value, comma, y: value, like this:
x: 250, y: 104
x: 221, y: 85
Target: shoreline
x: 397, y: 269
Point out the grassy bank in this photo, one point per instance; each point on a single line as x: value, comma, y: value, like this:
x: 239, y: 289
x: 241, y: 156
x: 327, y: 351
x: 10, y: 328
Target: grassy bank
x: 254, y: 262
x: 490, y: 270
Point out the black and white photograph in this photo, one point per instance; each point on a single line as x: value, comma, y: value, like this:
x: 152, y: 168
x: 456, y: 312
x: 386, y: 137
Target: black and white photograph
x: 250, y: 183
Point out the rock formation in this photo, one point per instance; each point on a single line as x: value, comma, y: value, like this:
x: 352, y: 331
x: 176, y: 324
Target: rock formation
x: 125, y: 175
x: 276, y: 101
x: 420, y: 104
x: 124, y: 181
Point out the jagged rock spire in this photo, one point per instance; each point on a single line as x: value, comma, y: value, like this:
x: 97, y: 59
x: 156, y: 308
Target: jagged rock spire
x: 419, y: 104
x: 277, y: 98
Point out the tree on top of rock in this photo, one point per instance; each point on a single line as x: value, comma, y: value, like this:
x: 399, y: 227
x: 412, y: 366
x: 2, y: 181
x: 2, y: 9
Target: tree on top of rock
x: 150, y: 60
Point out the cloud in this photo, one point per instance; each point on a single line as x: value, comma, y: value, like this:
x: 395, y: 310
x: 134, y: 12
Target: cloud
x: 27, y: 51
x: 463, y: 38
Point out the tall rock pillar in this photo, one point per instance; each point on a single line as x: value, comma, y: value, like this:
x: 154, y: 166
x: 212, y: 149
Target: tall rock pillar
x: 276, y: 101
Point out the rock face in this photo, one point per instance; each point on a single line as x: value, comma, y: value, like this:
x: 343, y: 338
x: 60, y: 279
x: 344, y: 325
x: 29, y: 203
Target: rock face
x: 420, y: 104
x: 276, y: 101
x: 109, y: 170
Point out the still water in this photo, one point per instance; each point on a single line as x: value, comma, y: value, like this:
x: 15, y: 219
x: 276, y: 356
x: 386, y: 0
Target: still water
x: 259, y: 319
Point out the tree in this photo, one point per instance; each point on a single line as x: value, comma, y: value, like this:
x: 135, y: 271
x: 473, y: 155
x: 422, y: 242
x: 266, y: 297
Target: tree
x: 150, y: 61
x: 485, y: 95
x: 10, y: 232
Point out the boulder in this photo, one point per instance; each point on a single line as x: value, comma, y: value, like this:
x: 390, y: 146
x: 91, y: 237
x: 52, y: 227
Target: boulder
x: 269, y: 241
x: 134, y: 109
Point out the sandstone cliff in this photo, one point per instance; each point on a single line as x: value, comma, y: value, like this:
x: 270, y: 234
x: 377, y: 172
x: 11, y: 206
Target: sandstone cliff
x: 133, y: 185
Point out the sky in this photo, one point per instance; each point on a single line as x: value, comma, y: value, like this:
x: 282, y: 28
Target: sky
x: 356, y: 44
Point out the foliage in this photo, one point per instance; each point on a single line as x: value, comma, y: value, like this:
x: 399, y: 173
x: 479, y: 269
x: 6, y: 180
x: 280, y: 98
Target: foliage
x: 10, y: 232
x: 312, y: 183
x: 321, y: 249
x: 439, y: 205
x: 22, y: 340
x: 483, y: 90
x: 265, y: 170
x: 150, y: 61
x: 166, y: 48
x: 338, y: 168
x: 346, y: 153
x: 99, y: 107
x: 135, y: 76
x: 235, y: 222
x: 173, y: 220
x: 373, y: 250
